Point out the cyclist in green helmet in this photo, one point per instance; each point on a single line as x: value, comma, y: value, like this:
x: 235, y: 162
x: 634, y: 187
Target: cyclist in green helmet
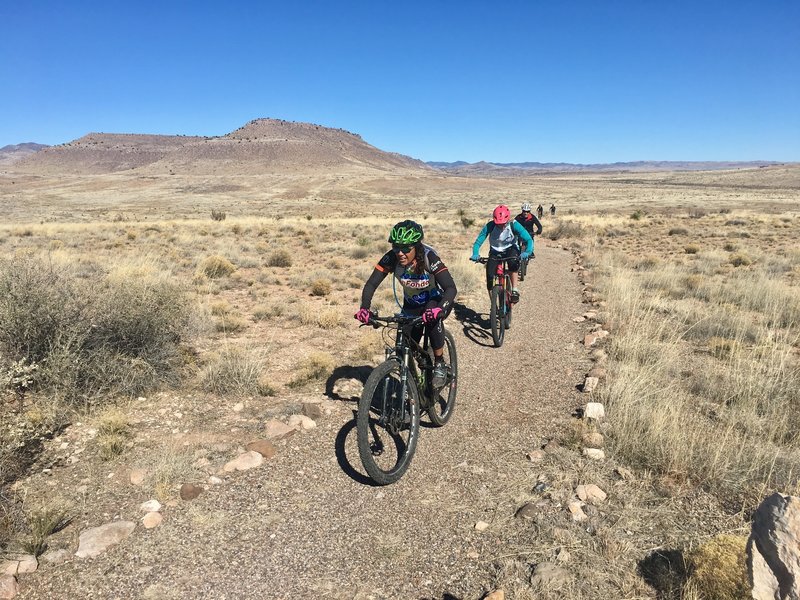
x: 428, y: 287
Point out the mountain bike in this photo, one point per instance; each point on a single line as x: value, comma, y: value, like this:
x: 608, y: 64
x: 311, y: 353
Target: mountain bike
x: 500, y: 311
x: 395, y: 394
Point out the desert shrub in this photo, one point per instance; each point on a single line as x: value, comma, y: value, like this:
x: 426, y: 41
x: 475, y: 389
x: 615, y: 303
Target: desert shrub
x: 280, y: 258
x: 697, y: 213
x: 637, y: 215
x: 359, y: 253
x: 678, y: 231
x: 691, y: 248
x: 90, y: 333
x: 268, y: 311
x: 741, y: 260
x: 736, y: 222
x: 329, y: 318
x: 234, y: 370
x: 729, y: 247
x: 566, y: 229
x: 718, y: 569
x: 321, y: 287
x: 318, y: 365
x: 231, y: 323
x: 216, y: 266
x: 218, y: 215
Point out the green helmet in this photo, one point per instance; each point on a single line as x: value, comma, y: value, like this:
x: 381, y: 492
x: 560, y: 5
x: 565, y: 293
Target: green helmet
x: 406, y: 233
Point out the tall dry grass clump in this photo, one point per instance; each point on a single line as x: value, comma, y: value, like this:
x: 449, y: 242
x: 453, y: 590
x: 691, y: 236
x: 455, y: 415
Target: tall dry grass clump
x: 698, y: 397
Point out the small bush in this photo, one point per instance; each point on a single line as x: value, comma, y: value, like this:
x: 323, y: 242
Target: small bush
x: 730, y: 247
x: 736, y: 222
x: 566, y: 229
x: 678, y: 231
x: 216, y: 266
x: 359, y: 253
x: 741, y: 260
x: 235, y: 370
x: 321, y: 287
x: 231, y: 323
x: 718, y: 568
x: 280, y: 258
x: 637, y: 215
x: 691, y: 248
x: 318, y: 365
x: 217, y: 215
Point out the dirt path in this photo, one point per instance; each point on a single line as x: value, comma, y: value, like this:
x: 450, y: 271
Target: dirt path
x: 303, y: 526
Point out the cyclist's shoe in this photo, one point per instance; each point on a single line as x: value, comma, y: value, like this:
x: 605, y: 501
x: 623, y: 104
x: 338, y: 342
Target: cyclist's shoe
x: 514, y: 296
x: 521, y: 277
x: 439, y: 375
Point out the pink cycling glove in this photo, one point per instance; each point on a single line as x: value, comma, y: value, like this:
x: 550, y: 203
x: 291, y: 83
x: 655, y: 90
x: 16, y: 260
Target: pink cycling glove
x: 363, y: 315
x: 431, y: 314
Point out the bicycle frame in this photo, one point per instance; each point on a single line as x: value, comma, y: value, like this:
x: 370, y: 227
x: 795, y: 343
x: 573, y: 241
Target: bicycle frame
x: 406, y: 348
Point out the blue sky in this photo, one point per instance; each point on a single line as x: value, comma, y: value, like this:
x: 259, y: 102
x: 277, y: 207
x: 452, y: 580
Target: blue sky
x: 581, y: 81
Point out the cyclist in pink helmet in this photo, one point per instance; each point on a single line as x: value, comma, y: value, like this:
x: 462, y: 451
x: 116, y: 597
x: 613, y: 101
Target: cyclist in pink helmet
x: 503, y: 234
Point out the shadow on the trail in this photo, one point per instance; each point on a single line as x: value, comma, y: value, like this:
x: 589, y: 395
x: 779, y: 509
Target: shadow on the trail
x: 360, y: 373
x: 445, y: 596
x: 341, y: 453
x: 476, y: 327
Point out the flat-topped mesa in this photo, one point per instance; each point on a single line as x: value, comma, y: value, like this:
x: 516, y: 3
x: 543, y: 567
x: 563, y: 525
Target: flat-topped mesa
x: 262, y: 146
x: 280, y: 129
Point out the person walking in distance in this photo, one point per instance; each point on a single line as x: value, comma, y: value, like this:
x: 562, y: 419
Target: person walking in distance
x: 503, y: 232
x: 539, y: 211
x: 428, y: 287
x: 552, y: 210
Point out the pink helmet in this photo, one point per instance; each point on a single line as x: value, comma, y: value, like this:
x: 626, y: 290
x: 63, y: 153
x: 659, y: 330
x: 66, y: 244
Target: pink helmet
x: 501, y: 215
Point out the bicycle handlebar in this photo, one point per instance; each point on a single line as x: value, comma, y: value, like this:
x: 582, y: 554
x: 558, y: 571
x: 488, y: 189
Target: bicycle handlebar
x: 376, y: 321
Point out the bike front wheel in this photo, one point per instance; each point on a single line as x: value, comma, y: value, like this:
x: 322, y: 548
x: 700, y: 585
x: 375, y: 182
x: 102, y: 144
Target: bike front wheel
x: 387, y: 424
x: 497, y: 315
x: 441, y: 408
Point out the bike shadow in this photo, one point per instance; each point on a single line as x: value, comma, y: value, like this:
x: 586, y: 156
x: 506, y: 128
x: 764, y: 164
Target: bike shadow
x: 344, y: 373
x: 340, y: 448
x: 476, y: 326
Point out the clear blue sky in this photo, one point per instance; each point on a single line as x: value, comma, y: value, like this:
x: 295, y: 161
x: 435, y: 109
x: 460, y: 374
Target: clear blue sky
x: 581, y: 81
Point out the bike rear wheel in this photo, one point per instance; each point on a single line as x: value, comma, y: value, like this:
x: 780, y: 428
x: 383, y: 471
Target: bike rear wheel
x: 387, y: 424
x: 444, y: 400
x: 497, y: 315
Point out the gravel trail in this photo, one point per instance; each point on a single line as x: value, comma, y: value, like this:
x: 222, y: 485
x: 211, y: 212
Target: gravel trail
x: 308, y: 524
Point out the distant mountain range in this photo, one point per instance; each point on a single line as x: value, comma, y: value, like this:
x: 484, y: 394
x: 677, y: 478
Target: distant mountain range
x: 483, y: 168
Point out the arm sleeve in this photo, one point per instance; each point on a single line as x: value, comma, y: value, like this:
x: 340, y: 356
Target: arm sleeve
x: 476, y: 247
x: 449, y: 291
x: 372, y: 284
x: 538, y: 224
x: 522, y: 233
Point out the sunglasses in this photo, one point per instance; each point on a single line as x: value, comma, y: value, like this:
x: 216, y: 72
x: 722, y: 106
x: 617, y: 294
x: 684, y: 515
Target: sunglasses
x: 402, y: 249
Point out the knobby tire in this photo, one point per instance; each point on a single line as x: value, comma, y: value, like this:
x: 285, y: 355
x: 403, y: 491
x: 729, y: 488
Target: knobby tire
x: 375, y: 438
x: 497, y: 316
x: 441, y: 409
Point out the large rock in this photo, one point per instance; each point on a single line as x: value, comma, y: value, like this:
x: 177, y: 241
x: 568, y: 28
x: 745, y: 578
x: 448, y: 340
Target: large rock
x: 8, y: 587
x: 190, y: 491
x: 773, y: 550
x: 302, y: 422
x: 243, y: 462
x: 277, y: 430
x: 97, y: 539
x: 264, y: 447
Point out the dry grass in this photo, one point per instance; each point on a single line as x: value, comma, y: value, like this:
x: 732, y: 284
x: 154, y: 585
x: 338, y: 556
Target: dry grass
x: 112, y: 433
